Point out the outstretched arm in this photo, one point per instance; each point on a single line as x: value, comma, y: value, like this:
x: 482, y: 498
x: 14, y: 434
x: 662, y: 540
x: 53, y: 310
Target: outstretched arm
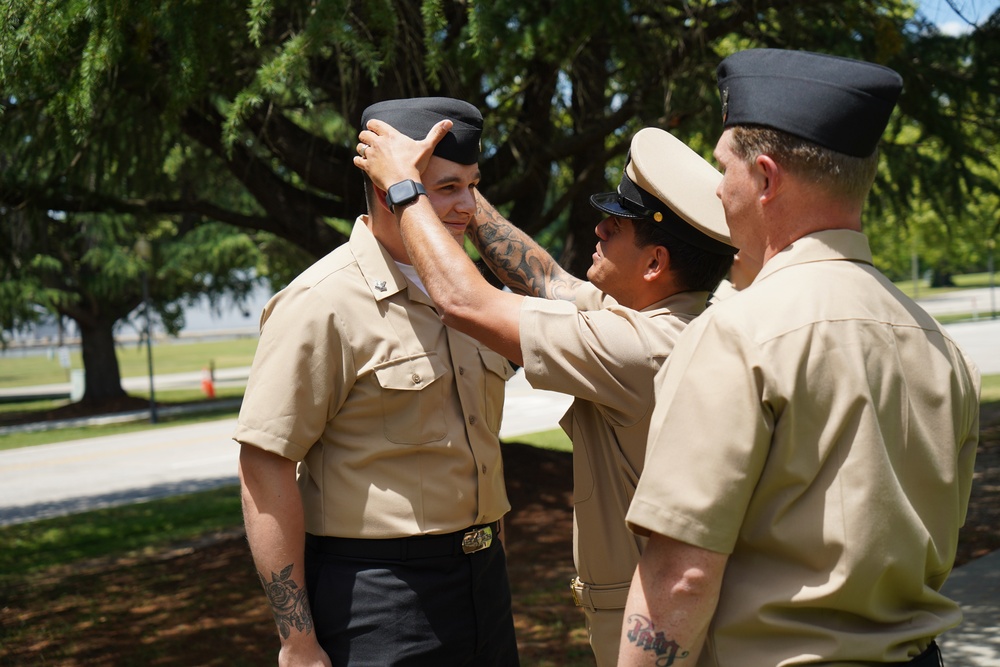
x: 520, y: 263
x: 463, y: 297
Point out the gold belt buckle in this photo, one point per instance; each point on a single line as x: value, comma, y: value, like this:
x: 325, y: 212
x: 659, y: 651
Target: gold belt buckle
x: 477, y: 540
x: 576, y: 586
x: 576, y: 594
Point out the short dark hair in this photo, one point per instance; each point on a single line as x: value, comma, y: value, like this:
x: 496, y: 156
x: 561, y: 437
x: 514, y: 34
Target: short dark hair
x: 694, y: 269
x: 369, y: 192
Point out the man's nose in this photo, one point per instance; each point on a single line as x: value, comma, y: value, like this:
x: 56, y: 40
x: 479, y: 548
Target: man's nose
x: 602, y: 228
x: 467, y: 202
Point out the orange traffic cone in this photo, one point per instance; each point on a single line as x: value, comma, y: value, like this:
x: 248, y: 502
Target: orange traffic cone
x: 207, y: 384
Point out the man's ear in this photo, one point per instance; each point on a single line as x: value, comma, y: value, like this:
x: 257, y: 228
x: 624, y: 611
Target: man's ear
x: 771, y: 177
x: 658, y: 263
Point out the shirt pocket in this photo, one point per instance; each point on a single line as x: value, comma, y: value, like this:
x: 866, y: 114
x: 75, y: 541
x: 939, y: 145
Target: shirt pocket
x: 414, y: 398
x: 498, y: 371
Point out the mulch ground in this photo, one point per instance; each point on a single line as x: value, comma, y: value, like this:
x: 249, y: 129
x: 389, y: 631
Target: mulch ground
x: 202, y: 605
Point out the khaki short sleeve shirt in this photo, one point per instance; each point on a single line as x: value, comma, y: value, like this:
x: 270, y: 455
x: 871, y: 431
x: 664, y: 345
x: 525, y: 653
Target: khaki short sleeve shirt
x: 393, y: 417
x: 606, y: 356
x: 821, y: 429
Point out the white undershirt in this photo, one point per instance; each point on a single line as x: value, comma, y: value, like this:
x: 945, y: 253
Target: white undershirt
x: 411, y: 275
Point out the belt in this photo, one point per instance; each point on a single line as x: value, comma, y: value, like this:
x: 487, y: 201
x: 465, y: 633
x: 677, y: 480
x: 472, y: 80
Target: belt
x: 596, y: 598
x: 468, y: 541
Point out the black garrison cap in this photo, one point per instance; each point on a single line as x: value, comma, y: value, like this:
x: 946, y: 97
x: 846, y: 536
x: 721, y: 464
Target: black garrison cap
x: 838, y: 103
x: 415, y: 116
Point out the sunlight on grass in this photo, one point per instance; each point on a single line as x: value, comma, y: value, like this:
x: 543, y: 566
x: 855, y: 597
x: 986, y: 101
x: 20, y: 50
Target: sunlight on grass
x: 967, y: 281
x: 33, y: 406
x: 18, y: 369
x: 116, y: 531
x: 555, y: 439
x: 991, y: 388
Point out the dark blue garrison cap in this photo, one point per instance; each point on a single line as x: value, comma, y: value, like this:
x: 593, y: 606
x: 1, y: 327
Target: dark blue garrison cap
x: 838, y: 103
x: 415, y: 116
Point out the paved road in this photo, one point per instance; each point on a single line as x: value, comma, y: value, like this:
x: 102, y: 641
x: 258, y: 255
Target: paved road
x: 981, y: 341
x: 79, y: 475
x: 980, y: 302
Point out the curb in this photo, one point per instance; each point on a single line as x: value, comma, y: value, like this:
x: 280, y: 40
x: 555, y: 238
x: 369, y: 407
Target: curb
x: 122, y: 417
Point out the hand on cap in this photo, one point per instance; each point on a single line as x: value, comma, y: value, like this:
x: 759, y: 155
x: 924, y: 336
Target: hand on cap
x: 388, y: 156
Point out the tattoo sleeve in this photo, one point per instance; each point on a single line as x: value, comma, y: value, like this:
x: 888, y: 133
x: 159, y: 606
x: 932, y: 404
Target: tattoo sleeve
x: 644, y: 634
x: 289, y: 603
x: 523, y: 265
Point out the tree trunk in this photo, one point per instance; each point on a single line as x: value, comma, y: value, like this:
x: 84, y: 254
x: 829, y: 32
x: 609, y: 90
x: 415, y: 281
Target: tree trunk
x: 942, y: 276
x: 589, y: 76
x: 103, y: 377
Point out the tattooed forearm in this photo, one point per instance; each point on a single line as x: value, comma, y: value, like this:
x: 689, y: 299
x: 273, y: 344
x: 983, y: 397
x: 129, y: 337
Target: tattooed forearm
x: 289, y: 603
x: 522, y: 265
x: 644, y: 634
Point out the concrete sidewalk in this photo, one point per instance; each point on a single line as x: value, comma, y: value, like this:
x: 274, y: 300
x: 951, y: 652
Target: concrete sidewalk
x: 976, y: 642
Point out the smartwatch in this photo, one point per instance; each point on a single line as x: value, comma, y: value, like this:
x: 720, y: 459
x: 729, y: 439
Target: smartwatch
x: 403, y: 193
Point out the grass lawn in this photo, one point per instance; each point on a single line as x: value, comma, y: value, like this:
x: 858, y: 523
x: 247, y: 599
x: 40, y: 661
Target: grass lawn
x: 922, y: 288
x: 114, y: 532
x: 20, y: 370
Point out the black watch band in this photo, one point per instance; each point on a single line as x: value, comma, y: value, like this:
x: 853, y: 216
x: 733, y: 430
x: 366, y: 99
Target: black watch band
x: 403, y: 193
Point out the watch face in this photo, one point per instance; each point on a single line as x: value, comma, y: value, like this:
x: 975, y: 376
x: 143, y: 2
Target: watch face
x: 401, y: 193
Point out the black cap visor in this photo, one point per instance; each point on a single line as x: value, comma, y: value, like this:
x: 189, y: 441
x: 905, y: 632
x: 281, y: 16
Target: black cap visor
x: 633, y: 202
x: 610, y: 203
x: 630, y: 201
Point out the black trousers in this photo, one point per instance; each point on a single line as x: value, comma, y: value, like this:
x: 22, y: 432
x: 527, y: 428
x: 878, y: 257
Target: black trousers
x: 447, y: 610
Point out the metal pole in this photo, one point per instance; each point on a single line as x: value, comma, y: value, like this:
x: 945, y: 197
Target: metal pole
x: 915, y: 272
x: 993, y: 306
x: 149, y: 347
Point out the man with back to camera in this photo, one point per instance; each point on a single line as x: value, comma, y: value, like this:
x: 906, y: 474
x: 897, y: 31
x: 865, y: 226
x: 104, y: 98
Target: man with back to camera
x: 662, y: 248
x: 811, y: 451
x: 392, y: 420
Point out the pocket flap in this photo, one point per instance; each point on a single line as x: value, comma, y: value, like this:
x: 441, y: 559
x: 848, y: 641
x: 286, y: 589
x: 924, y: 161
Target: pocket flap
x: 496, y: 364
x: 410, y: 373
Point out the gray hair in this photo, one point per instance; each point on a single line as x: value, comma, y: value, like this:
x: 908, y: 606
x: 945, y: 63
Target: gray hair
x: 839, y: 174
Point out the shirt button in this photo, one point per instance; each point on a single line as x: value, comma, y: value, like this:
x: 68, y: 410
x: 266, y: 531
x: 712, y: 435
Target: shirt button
x: 484, y: 468
x: 472, y: 420
x: 415, y: 378
x: 461, y: 371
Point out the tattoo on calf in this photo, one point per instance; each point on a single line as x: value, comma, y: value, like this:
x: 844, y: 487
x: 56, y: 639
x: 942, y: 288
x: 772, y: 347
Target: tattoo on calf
x: 289, y: 603
x: 644, y: 634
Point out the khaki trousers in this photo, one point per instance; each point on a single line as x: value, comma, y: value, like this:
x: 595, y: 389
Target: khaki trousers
x: 604, y: 626
x: 604, y: 609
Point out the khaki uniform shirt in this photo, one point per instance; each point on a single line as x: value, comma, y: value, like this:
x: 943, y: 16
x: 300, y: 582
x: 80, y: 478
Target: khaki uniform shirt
x: 606, y: 356
x: 821, y: 428
x: 393, y: 416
